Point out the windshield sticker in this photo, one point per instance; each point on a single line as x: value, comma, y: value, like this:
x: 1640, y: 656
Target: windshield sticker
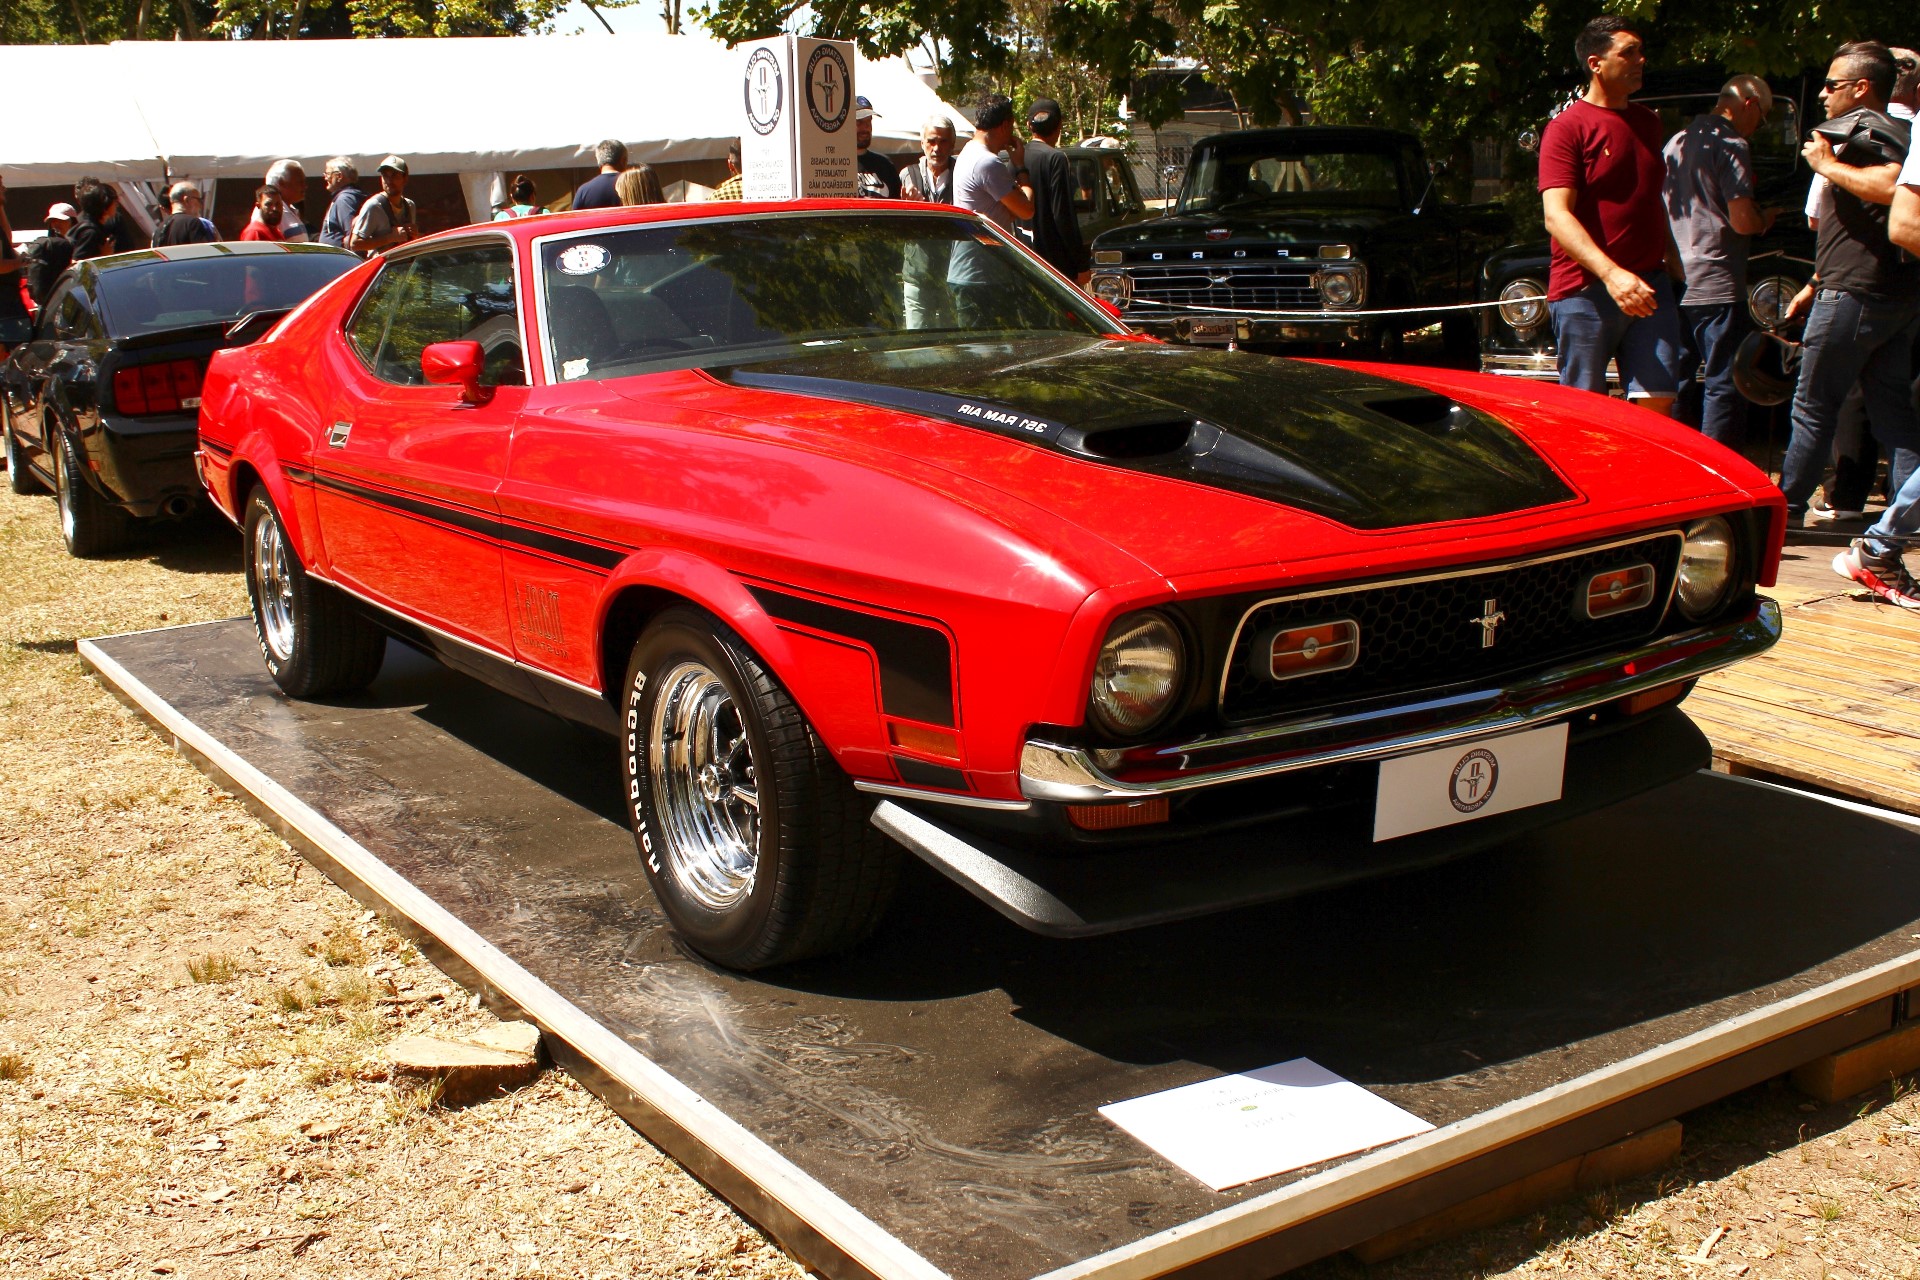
x: 584, y: 259
x: 575, y: 368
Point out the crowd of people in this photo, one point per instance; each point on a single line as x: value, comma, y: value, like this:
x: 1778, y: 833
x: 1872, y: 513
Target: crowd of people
x: 1631, y: 219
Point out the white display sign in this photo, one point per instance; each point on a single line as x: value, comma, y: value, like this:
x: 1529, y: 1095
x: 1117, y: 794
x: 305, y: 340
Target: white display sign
x: 1470, y: 780
x: 1241, y: 1128
x: 797, y: 134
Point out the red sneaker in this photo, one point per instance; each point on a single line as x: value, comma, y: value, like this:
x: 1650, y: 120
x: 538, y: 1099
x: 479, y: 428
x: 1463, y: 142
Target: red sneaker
x: 1885, y: 576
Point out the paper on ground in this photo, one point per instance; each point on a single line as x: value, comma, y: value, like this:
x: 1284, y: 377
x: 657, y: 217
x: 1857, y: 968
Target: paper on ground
x: 1240, y: 1128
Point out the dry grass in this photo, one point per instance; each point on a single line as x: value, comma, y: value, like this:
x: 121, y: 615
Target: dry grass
x: 192, y: 1019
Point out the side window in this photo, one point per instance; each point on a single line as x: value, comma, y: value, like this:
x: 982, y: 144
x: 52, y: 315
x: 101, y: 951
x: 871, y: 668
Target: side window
x: 49, y: 325
x: 454, y: 294
x: 369, y: 323
x: 72, y: 317
x: 1083, y: 180
x: 1120, y: 196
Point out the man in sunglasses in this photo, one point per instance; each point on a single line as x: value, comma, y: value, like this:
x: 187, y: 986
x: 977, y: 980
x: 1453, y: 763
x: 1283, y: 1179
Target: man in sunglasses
x: 1863, y: 303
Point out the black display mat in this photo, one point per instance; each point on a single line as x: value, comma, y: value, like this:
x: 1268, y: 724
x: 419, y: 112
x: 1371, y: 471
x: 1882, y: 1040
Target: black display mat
x: 943, y: 1079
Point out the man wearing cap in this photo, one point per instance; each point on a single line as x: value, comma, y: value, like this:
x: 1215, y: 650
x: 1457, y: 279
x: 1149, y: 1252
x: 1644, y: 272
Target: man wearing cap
x: 984, y: 181
x: 48, y: 256
x: 879, y: 177
x: 184, y: 225
x: 1056, y: 228
x: 387, y: 218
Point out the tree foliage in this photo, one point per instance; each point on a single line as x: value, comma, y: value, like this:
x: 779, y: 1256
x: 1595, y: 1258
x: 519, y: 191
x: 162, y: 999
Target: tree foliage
x: 102, y: 21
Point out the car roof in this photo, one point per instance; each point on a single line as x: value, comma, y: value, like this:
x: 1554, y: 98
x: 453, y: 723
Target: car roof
x: 639, y: 215
x: 217, y: 249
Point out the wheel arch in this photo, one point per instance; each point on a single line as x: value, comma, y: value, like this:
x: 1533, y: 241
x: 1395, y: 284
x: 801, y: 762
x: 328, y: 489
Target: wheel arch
x: 651, y: 582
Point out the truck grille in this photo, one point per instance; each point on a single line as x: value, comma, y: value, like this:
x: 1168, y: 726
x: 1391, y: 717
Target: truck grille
x: 1264, y: 286
x: 1424, y: 634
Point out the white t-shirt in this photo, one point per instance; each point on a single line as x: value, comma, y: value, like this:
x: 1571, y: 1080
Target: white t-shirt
x: 980, y: 178
x: 1910, y: 171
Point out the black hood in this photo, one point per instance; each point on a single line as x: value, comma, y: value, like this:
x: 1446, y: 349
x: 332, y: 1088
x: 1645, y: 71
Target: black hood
x: 1366, y: 452
x: 1253, y: 221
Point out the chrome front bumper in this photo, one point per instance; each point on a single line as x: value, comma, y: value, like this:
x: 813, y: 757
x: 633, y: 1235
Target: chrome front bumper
x: 1081, y: 775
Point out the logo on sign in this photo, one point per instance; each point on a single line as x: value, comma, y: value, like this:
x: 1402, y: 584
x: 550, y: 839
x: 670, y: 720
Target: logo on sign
x: 829, y: 87
x: 763, y: 91
x: 1473, y: 781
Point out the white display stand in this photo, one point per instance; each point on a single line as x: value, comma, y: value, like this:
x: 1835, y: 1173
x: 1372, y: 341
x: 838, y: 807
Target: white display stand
x: 797, y: 135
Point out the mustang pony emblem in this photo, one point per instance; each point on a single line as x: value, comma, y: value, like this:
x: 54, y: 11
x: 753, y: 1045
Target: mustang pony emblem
x: 1489, y: 622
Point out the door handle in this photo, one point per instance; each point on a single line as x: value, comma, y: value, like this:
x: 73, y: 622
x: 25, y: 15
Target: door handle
x: 337, y: 438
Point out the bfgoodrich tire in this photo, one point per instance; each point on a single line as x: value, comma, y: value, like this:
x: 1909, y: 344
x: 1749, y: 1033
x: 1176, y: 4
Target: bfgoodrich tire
x: 314, y: 640
x: 756, y: 845
x: 89, y: 524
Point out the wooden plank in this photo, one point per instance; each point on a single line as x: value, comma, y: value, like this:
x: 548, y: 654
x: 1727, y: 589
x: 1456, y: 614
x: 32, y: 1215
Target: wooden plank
x: 1810, y: 737
x: 1797, y: 694
x: 1864, y: 1066
x: 1852, y: 645
x: 1883, y: 622
x: 1630, y: 1157
x: 1739, y: 741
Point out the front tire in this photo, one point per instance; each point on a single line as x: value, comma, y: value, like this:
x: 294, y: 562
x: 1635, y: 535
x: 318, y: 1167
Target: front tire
x: 89, y: 524
x: 314, y: 640
x: 756, y: 845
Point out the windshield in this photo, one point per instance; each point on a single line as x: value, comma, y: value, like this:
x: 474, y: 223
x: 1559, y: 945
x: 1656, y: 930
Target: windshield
x: 719, y: 291
x: 1280, y: 175
x: 157, y: 296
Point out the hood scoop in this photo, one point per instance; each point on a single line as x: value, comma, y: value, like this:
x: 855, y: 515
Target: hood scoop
x: 1368, y: 453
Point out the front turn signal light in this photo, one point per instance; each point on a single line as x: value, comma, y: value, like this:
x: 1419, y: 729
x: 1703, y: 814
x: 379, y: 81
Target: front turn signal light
x: 1319, y: 647
x: 1113, y: 817
x: 1619, y: 591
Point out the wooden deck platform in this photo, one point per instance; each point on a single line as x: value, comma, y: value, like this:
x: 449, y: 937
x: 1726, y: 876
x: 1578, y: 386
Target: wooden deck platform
x: 1834, y: 705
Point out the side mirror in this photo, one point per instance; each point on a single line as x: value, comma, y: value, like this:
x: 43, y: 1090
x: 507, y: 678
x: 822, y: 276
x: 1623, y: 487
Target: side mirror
x: 457, y: 364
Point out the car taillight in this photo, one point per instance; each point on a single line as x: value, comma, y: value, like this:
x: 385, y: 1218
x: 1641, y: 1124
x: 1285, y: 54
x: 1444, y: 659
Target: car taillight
x: 170, y: 386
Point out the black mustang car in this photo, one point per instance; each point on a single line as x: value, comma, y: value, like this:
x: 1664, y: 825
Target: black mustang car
x: 102, y: 403
x: 1290, y: 235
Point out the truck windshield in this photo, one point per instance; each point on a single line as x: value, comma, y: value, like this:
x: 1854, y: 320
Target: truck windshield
x: 1275, y: 175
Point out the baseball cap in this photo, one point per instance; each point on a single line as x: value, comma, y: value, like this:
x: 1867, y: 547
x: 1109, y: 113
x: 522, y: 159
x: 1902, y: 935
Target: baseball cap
x: 66, y: 211
x: 862, y: 109
x: 394, y: 163
x: 1043, y: 115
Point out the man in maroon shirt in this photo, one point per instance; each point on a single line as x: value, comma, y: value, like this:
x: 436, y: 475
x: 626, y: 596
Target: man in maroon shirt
x: 1601, y: 174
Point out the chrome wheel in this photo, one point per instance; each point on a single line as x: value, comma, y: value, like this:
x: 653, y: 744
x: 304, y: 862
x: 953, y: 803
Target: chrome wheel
x: 700, y: 766
x: 273, y: 588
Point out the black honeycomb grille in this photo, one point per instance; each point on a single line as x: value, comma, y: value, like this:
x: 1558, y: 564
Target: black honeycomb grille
x: 1423, y: 635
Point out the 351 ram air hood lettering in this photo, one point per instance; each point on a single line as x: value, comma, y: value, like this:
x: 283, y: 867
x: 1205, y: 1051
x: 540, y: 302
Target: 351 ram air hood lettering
x: 1367, y: 453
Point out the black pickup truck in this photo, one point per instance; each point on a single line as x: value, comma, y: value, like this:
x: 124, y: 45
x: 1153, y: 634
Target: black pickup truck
x: 1286, y: 236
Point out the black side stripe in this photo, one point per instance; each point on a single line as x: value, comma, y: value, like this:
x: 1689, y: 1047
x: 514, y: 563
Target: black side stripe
x: 552, y: 544
x: 216, y: 448
x: 916, y: 662
x: 299, y: 475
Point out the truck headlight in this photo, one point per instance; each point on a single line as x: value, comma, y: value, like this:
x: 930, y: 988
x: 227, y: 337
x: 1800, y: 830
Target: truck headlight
x: 1112, y: 286
x: 1523, y: 305
x: 1340, y: 289
x: 1138, y: 674
x: 1767, y: 302
x: 1706, y: 567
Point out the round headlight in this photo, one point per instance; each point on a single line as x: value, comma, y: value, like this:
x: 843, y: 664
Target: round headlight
x: 1706, y: 566
x: 1337, y: 288
x: 1112, y: 288
x: 1523, y: 305
x: 1138, y: 674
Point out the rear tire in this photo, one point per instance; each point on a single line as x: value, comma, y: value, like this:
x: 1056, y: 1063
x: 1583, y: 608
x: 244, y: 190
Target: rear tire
x: 19, y: 479
x: 756, y: 844
x: 89, y: 524
x: 314, y: 640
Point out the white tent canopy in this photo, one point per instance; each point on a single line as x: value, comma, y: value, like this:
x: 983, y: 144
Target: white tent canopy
x: 228, y: 108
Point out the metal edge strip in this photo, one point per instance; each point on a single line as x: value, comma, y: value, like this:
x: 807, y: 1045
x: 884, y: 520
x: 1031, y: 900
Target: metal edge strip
x: 798, y: 1192
x: 1398, y: 1164
x: 1439, y: 575
x: 941, y: 797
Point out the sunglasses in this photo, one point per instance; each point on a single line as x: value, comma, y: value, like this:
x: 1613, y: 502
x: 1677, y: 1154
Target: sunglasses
x: 1830, y: 86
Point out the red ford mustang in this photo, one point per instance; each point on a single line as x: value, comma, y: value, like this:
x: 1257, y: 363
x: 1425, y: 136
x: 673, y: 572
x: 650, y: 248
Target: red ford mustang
x: 854, y: 521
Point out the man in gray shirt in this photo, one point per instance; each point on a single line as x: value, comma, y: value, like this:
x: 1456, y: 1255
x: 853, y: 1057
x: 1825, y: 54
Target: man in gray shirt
x: 990, y: 186
x: 1711, y: 209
